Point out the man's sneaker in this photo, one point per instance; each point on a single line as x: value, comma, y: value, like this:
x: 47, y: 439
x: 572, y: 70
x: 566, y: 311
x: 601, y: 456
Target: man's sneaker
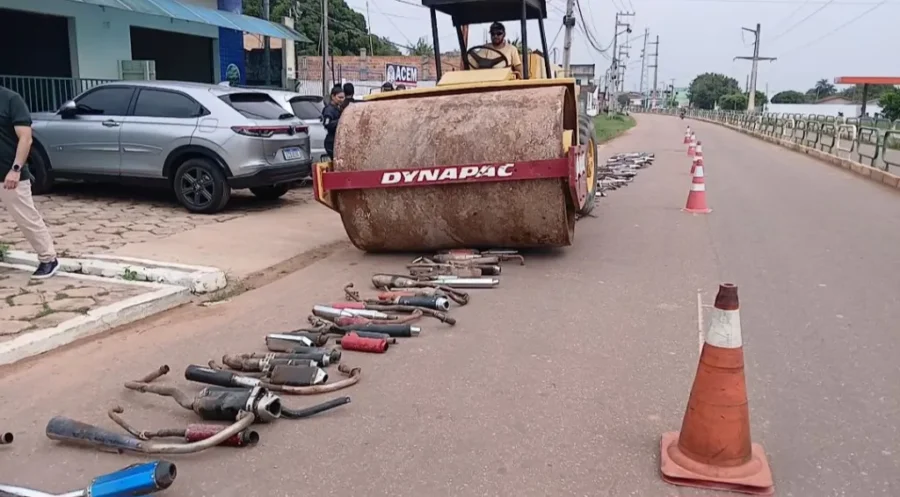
x: 45, y: 270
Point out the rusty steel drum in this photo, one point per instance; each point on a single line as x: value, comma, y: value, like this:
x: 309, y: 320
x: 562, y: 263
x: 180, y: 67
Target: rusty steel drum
x: 475, y: 128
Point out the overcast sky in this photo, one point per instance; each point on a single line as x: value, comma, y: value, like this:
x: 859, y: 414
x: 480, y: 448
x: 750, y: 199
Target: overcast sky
x: 699, y: 36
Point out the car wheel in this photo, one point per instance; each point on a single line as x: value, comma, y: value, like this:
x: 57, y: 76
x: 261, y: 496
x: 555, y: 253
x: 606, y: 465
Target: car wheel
x: 200, y: 186
x: 39, y: 168
x: 270, y: 192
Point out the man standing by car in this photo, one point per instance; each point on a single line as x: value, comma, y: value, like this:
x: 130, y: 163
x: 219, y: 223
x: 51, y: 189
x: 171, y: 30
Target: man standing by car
x: 331, y: 114
x: 15, y: 146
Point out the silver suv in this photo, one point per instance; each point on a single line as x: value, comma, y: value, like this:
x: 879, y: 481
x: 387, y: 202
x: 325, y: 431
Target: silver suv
x: 199, y: 140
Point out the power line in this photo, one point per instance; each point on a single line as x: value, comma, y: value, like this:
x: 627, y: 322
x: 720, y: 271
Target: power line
x: 354, y: 29
x: 790, y: 16
x: 589, y: 47
x: 556, y: 37
x: 835, y: 30
x: 375, y: 4
x: 588, y: 34
x: 801, y: 21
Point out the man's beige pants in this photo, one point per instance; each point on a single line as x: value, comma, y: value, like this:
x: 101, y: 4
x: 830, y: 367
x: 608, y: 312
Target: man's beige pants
x: 20, y: 205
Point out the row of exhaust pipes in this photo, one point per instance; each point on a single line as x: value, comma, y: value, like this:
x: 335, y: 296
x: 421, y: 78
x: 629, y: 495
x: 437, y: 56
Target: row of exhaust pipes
x: 247, y: 388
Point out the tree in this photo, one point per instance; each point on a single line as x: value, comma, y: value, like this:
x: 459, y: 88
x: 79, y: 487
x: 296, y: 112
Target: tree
x: 854, y: 93
x: 760, y: 99
x: 422, y: 47
x: 706, y: 89
x: 733, y: 101
x: 890, y: 104
x: 823, y: 88
x: 788, y: 97
x: 347, y: 32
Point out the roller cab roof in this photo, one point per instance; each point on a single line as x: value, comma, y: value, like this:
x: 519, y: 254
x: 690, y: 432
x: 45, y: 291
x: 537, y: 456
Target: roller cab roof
x: 466, y: 12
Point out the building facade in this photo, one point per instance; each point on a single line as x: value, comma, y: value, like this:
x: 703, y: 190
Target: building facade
x: 71, y: 46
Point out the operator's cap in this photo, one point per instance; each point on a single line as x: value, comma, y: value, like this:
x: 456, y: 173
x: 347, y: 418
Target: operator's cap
x: 497, y: 26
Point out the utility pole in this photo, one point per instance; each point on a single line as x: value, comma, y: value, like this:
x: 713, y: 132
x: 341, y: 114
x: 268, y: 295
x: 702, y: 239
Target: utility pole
x: 325, y: 88
x: 369, y: 29
x: 267, y: 51
x: 614, y: 68
x: 655, y: 67
x: 751, y: 92
x: 569, y: 23
x: 644, y: 66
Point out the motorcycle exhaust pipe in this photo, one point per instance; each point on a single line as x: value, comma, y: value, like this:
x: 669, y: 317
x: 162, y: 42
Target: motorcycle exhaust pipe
x: 392, y: 330
x: 62, y: 429
x: 455, y: 282
x: 330, y: 312
x: 295, y: 376
x: 137, y: 479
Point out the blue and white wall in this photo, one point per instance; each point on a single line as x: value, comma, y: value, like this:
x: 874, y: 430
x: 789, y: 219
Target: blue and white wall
x: 231, y: 47
x: 100, y: 37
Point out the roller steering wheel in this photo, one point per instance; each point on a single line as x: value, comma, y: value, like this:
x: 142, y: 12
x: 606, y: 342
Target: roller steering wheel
x: 484, y: 62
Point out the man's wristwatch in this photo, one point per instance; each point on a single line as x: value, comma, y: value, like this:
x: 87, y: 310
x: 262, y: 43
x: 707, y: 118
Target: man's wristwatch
x: 16, y: 168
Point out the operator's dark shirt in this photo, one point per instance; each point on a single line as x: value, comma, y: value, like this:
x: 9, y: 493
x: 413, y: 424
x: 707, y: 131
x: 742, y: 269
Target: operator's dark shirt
x: 331, y: 114
x: 13, y: 112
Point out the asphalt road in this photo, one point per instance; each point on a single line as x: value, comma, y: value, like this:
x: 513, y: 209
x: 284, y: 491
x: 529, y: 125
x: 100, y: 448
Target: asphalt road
x: 561, y: 381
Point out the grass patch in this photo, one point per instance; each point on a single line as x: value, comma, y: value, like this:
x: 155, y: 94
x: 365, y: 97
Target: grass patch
x: 608, y: 127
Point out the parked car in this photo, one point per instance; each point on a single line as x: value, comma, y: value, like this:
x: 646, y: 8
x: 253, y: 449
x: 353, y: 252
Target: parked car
x: 200, y: 140
x: 308, y: 108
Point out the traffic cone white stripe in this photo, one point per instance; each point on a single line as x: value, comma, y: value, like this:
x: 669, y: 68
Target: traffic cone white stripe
x: 698, y: 187
x: 698, y: 171
x: 725, y: 329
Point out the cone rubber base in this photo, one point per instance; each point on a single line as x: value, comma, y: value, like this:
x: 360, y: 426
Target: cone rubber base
x: 697, y: 211
x: 759, y: 483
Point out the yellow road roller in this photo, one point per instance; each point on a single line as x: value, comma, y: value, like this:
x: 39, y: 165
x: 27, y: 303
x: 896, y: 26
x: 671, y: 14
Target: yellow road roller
x: 483, y: 159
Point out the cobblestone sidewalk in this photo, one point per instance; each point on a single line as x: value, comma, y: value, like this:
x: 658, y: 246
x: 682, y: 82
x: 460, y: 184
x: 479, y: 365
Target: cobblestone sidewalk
x: 27, y: 304
x: 93, y: 218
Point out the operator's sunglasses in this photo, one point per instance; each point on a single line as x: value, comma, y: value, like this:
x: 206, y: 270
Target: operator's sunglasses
x: 497, y: 33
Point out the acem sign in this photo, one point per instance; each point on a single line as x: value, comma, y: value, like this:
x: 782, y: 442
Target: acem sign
x: 402, y: 75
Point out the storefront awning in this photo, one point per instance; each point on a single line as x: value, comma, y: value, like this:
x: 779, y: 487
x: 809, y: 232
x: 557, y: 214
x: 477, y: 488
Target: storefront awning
x: 175, y: 9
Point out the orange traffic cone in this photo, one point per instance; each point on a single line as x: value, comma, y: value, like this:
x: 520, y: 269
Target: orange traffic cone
x: 692, y: 145
x: 687, y: 135
x: 698, y: 152
x: 696, y: 202
x: 713, y: 448
x: 695, y: 163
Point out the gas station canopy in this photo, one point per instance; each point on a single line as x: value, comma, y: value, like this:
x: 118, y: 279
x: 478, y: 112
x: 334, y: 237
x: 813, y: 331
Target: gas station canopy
x: 867, y: 80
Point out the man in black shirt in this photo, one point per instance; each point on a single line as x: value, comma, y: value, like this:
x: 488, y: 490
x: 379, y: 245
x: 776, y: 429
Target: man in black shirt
x: 330, y: 116
x: 15, y: 146
x: 348, y: 94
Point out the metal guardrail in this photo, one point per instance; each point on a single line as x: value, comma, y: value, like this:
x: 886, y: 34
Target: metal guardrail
x: 875, y: 142
x: 48, y: 94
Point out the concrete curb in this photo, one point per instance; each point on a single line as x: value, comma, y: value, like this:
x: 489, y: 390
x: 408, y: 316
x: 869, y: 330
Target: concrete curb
x: 159, y: 298
x: 198, y: 279
x: 873, y: 174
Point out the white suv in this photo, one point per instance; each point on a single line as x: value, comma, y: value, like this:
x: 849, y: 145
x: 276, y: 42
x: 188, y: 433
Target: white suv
x: 198, y: 139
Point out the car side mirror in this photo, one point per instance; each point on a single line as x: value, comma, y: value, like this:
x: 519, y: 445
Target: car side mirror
x: 68, y: 109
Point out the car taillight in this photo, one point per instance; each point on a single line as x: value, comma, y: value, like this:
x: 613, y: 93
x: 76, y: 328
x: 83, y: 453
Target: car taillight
x: 301, y: 129
x: 261, y: 131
